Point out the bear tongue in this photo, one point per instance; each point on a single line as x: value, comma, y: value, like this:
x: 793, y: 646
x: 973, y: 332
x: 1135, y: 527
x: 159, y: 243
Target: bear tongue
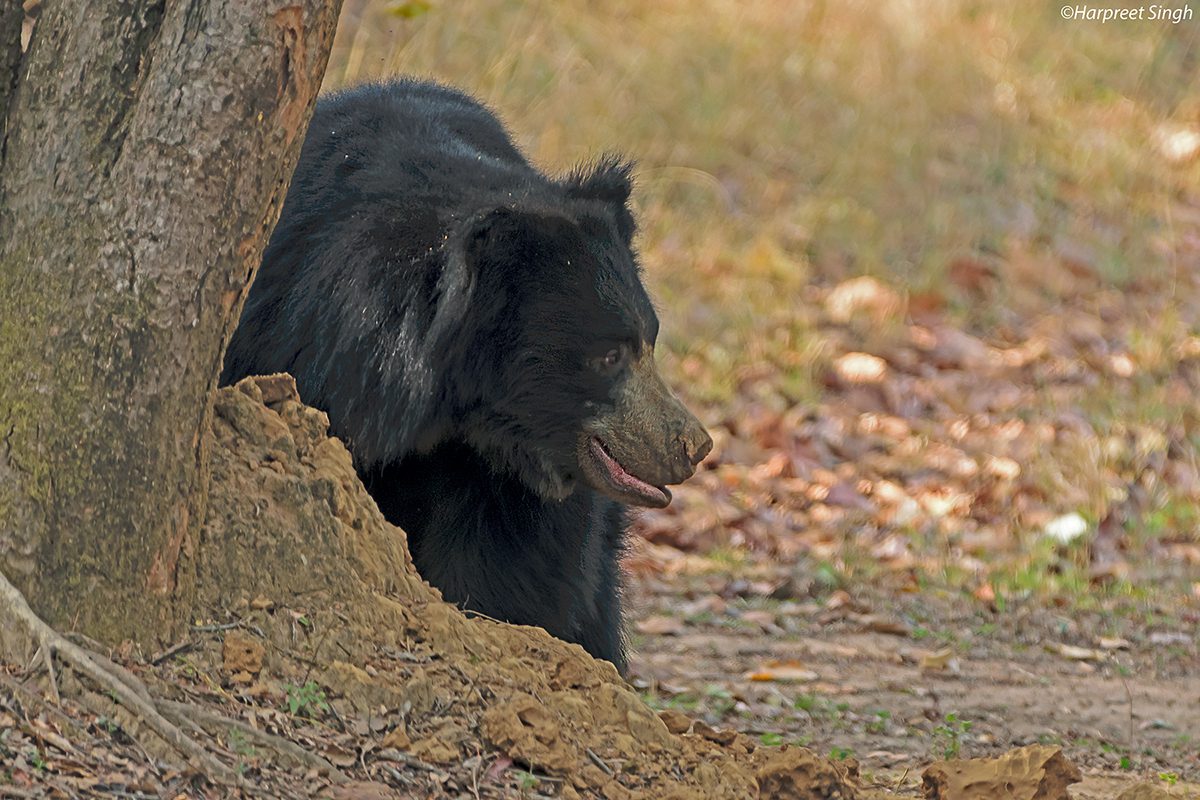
x: 626, y: 482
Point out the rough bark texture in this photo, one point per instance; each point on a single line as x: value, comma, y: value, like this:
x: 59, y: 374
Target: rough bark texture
x: 144, y: 154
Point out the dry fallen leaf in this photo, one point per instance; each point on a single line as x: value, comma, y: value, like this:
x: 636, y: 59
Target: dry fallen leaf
x: 939, y: 661
x: 1114, y: 643
x: 1177, y: 144
x: 1066, y: 529
x: 1075, y: 653
x: 360, y: 790
x: 842, y: 600
x: 1121, y: 365
x: 862, y: 294
x: 887, y: 757
x: 660, y: 625
x: 782, y: 671
x: 878, y: 624
x: 985, y: 593
x: 860, y: 368
x: 339, y: 756
x: 763, y: 619
x: 262, y: 603
x: 497, y: 768
x: 397, y: 738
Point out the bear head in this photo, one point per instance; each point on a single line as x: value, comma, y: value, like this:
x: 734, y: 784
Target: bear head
x: 556, y: 379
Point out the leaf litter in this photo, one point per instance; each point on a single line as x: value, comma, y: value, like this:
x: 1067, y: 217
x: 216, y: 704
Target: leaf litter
x: 1006, y: 504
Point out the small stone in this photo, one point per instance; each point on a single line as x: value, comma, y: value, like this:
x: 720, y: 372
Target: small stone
x: 719, y: 736
x: 676, y: 721
x: 1036, y: 772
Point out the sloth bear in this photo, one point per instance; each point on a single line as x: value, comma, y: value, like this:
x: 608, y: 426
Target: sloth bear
x: 480, y: 338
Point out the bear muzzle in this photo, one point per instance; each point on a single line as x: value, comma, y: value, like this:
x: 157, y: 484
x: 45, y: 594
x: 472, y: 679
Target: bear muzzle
x: 647, y: 441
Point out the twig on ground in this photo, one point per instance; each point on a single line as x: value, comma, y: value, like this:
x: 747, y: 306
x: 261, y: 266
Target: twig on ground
x: 223, y: 626
x: 599, y: 762
x: 61, y: 742
x: 414, y: 762
x: 173, y: 650
x: 1128, y: 696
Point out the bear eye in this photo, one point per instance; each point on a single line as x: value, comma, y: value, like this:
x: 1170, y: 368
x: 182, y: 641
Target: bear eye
x: 613, y: 360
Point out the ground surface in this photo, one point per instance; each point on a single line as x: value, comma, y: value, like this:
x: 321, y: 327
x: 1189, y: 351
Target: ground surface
x: 322, y: 665
x: 898, y: 679
x: 930, y: 272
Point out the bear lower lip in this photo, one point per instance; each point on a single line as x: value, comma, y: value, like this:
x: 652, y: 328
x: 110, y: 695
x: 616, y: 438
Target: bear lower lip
x: 629, y: 486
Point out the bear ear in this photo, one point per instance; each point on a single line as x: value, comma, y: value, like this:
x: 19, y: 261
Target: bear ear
x: 609, y: 180
x: 506, y: 235
x: 490, y: 237
x: 501, y: 229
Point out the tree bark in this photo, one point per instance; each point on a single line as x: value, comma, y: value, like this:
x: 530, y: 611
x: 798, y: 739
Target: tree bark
x: 145, y: 149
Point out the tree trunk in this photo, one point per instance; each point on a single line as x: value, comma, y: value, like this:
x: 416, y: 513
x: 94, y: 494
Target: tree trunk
x: 145, y: 149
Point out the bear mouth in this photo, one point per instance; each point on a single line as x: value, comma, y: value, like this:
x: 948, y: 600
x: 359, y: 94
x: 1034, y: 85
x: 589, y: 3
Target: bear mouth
x: 621, y: 483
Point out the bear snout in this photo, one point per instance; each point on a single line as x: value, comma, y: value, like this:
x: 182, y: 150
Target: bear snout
x: 697, y: 444
x: 689, y: 447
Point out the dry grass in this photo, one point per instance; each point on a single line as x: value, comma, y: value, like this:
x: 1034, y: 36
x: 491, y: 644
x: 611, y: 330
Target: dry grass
x: 787, y: 146
x: 778, y: 140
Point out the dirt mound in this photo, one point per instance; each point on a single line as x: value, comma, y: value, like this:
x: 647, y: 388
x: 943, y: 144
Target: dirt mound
x: 295, y: 548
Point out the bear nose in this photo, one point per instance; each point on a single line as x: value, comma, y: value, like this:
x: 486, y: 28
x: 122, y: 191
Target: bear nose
x: 694, y: 445
x: 698, y: 446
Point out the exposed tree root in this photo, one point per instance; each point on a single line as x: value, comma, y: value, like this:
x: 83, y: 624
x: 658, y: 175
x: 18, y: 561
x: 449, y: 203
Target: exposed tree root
x: 110, y: 679
x: 46, y: 655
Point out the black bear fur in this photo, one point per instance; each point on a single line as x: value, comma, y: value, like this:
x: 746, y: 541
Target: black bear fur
x: 456, y: 313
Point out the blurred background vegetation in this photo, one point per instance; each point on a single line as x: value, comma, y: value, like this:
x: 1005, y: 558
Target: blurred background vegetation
x: 1023, y: 193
